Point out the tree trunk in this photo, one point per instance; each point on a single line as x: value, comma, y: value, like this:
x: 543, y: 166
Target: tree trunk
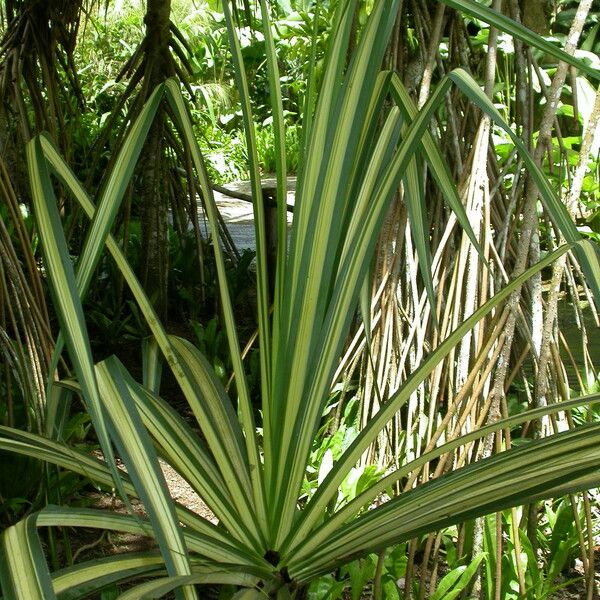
x: 153, y: 209
x: 535, y: 15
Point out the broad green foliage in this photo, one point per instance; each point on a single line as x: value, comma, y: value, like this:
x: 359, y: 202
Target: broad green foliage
x: 366, y: 138
x: 557, y: 538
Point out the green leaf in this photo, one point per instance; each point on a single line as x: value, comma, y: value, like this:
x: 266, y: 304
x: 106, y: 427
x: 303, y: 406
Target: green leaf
x: 315, y: 507
x: 586, y: 251
x: 262, y: 276
x: 182, y: 118
x: 114, y: 190
x: 317, y: 239
x: 213, y: 541
x: 282, y: 224
x: 142, y: 466
x: 220, y: 426
x: 151, y: 365
x: 437, y: 164
x: 186, y: 453
x: 556, y: 465
x: 160, y: 587
x: 200, y: 536
x: 83, y: 579
x: 504, y: 23
x: 453, y: 583
x: 24, y: 573
x: 64, y: 290
x: 111, y: 197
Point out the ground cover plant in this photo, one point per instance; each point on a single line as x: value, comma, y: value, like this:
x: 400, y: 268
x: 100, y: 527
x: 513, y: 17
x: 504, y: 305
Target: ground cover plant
x: 279, y: 530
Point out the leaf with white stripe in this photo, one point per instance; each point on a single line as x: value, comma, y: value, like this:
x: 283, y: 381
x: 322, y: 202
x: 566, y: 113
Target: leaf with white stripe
x: 24, y: 573
x: 139, y: 456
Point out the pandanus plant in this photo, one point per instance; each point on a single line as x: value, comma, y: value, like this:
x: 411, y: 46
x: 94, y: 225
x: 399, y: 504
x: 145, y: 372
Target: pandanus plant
x: 366, y: 138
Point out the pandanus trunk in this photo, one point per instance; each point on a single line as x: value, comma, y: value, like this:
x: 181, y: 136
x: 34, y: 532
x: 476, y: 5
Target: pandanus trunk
x: 153, y: 208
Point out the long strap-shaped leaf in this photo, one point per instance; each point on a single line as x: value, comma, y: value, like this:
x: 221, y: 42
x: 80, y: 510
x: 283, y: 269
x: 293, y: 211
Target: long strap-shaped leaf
x: 113, y: 192
x: 315, y: 147
x: 324, y: 201
x: 311, y: 89
x: 138, y: 454
x: 222, y: 431
x: 58, y: 453
x: 67, y: 177
x: 66, y: 298
x: 350, y: 510
x: 388, y: 481
x: 504, y: 23
x: 437, y: 165
x: 416, y: 207
x: 586, y: 253
x: 245, y: 409
x: 80, y: 580
x: 314, y: 263
x: 24, y: 572
x: 315, y: 507
x: 206, y: 476
x: 262, y: 287
x: 282, y: 225
x: 29, y: 444
x: 339, y: 310
x: 359, y: 246
x: 176, y: 442
x: 303, y: 230
x: 214, y: 551
x: 184, y: 451
x: 111, y: 198
x: 364, y: 167
x: 309, y: 413
x: 151, y: 365
x: 160, y: 587
x: 562, y: 463
x: 220, y: 426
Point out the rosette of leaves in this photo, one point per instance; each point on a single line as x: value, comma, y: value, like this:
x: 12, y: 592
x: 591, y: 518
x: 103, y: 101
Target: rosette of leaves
x: 365, y: 139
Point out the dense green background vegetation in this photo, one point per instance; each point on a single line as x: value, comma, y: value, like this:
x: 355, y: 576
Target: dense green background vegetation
x: 379, y: 406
